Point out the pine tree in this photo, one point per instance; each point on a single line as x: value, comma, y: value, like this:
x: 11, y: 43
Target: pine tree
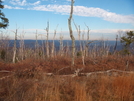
x: 127, y: 40
x: 3, y: 21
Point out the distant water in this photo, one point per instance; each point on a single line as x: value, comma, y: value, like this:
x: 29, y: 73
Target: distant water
x: 31, y: 43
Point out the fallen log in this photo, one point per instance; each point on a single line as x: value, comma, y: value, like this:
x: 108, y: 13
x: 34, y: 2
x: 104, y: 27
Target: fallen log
x: 108, y: 73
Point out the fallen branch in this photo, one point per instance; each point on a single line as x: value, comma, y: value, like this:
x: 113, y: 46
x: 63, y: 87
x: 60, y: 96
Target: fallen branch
x: 48, y: 74
x: 108, y: 72
x: 5, y: 71
x: 5, y: 77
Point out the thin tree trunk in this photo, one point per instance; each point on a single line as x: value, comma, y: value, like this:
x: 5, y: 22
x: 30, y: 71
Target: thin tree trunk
x: 42, y: 47
x: 71, y: 33
x: 79, y: 34
x: 83, y: 51
x: 53, y: 48
x: 47, y: 44
x: 61, y: 45
x: 53, y: 44
x: 22, y: 46
x: 41, y: 51
x: 15, y: 49
x: 87, y: 43
x: 36, y: 46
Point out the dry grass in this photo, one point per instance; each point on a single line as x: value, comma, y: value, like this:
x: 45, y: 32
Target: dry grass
x: 29, y: 84
x: 68, y: 89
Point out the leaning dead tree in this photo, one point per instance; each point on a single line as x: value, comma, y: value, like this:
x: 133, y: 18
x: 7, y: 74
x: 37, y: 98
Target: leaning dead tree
x: 71, y: 33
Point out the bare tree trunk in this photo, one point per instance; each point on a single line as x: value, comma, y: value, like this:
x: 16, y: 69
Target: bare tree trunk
x: 15, y: 49
x: 83, y: 51
x: 80, y: 39
x: 47, y: 44
x: 22, y: 46
x: 36, y: 46
x: 53, y: 44
x: 53, y: 48
x: 42, y: 46
x: 87, y: 43
x: 71, y: 33
x: 61, y: 45
x: 79, y: 34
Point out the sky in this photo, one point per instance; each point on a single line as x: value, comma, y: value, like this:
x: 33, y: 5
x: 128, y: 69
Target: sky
x: 105, y: 18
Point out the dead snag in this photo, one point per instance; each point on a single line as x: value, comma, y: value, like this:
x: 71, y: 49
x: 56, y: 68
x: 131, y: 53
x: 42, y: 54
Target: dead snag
x: 71, y: 33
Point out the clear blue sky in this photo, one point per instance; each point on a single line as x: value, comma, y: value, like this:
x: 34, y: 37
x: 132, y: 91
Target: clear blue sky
x: 104, y: 17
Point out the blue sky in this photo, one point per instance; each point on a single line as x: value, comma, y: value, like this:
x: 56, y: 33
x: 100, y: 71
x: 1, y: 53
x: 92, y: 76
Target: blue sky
x: 104, y: 17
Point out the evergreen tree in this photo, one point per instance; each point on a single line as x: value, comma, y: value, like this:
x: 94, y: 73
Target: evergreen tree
x: 3, y: 21
x: 127, y: 40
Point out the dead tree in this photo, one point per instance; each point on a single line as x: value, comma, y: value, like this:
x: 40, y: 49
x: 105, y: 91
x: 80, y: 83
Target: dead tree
x: 83, y: 50
x: 47, y: 44
x: 42, y: 52
x: 14, y: 48
x: 87, y: 43
x: 53, y: 46
x: 36, y: 46
x: 79, y: 35
x: 61, y: 45
x: 21, y: 50
x: 71, y: 33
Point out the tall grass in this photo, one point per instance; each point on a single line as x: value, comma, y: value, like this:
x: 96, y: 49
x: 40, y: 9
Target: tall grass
x: 68, y: 89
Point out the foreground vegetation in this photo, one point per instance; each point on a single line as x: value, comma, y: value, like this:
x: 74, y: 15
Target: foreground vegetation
x: 26, y: 80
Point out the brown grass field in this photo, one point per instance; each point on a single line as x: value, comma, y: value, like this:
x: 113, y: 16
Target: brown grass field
x: 26, y: 80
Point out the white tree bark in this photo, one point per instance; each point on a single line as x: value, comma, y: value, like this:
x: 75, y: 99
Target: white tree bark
x: 71, y: 33
x: 47, y: 43
x: 15, y: 49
